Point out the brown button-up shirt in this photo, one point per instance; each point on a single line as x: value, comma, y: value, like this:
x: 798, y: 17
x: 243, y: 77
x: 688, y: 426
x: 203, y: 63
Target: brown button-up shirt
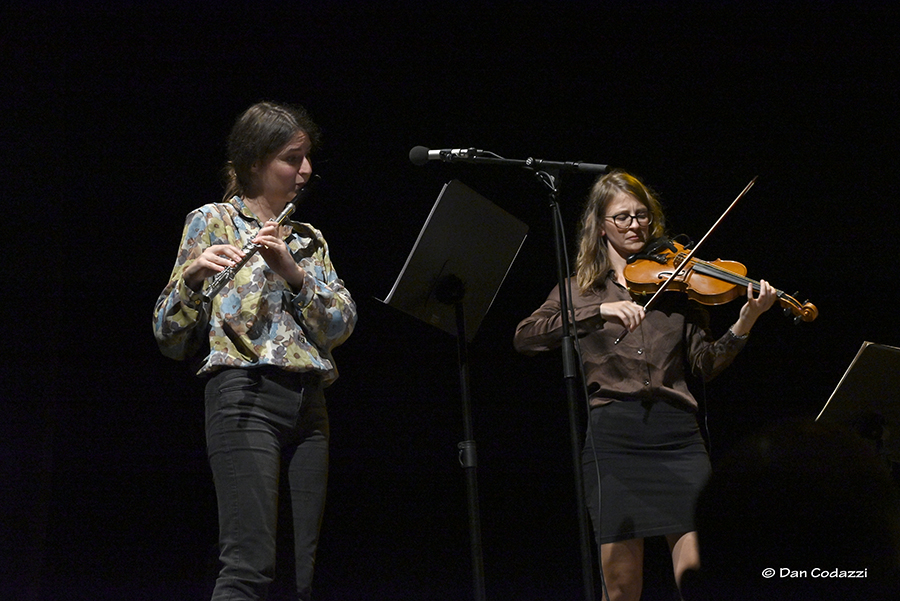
x: 648, y: 363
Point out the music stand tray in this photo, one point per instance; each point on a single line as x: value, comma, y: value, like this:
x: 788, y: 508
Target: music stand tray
x: 466, y: 236
x: 867, y: 398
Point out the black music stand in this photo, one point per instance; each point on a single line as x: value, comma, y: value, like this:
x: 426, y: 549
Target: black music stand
x: 449, y: 281
x: 867, y: 399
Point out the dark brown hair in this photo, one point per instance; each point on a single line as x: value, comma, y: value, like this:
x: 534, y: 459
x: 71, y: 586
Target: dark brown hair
x: 257, y: 135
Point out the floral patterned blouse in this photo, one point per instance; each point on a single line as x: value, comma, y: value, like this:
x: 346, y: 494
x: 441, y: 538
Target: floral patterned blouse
x: 258, y: 319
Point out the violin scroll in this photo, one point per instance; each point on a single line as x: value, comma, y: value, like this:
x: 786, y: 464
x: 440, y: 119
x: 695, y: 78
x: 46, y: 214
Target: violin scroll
x: 801, y: 311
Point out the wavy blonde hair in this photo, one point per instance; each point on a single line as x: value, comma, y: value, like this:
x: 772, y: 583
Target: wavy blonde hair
x: 593, y: 263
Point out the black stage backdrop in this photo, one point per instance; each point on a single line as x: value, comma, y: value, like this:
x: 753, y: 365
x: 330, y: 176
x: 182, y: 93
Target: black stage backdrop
x: 113, y: 128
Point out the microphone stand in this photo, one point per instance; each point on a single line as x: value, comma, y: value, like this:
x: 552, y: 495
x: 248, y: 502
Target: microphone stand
x: 548, y: 172
x: 570, y: 376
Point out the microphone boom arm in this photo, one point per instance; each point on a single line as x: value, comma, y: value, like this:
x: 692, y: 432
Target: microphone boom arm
x: 421, y: 155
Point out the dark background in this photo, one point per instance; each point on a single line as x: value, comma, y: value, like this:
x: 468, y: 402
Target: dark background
x: 113, y: 128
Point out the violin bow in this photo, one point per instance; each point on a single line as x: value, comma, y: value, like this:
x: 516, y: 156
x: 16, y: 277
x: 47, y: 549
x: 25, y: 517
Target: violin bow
x: 687, y: 260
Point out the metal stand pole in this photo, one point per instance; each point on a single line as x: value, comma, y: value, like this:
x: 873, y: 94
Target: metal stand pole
x: 570, y: 374
x: 451, y: 290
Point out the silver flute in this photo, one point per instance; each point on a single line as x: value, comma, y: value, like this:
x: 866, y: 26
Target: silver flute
x: 226, y: 275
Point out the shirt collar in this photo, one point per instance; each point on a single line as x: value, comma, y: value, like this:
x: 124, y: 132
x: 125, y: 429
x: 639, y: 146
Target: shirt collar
x: 238, y: 203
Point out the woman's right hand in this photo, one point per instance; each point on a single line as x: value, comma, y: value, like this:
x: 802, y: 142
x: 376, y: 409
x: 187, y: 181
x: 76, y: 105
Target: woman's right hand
x: 625, y: 313
x: 211, y: 261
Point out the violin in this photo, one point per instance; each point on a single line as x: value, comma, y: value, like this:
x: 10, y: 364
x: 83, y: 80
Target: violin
x: 707, y: 282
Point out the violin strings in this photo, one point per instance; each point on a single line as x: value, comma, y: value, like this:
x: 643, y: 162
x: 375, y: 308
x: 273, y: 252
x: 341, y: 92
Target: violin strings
x: 723, y: 274
x: 711, y: 270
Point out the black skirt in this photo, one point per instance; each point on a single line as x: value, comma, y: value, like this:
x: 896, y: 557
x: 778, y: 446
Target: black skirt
x: 651, y: 463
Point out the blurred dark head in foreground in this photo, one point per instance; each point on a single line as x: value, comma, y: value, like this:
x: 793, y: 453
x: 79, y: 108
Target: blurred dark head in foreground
x: 798, y: 511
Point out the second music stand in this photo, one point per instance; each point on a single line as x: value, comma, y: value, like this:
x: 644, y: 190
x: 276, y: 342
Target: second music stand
x: 867, y: 398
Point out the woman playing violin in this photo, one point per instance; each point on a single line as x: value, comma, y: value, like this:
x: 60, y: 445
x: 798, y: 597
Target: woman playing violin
x: 644, y: 458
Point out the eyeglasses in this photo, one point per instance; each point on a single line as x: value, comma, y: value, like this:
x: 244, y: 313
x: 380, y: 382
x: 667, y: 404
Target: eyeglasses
x: 624, y: 220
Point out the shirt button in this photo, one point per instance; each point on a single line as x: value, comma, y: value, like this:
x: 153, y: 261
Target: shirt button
x: 640, y: 351
x: 646, y: 382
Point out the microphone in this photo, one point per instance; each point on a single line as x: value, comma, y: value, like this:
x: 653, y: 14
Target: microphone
x: 421, y: 155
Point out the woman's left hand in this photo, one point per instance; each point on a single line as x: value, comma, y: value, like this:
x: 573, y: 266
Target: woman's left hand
x: 754, y: 307
x: 277, y: 254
